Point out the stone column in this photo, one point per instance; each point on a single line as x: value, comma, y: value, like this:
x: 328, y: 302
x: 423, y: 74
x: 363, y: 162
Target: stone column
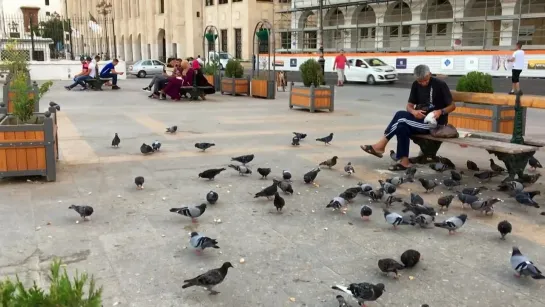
x: 415, y: 31
x: 380, y: 11
x: 168, y: 46
x: 508, y: 28
x: 457, y: 27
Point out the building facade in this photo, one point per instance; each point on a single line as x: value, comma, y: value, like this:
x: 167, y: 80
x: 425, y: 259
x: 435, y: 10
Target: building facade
x: 158, y: 29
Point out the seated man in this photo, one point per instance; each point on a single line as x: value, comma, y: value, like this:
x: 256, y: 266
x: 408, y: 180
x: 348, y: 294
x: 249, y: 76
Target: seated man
x: 428, y: 94
x: 108, y: 71
x: 82, y: 76
x: 167, y: 72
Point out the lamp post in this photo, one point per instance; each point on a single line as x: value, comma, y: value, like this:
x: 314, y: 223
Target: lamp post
x: 104, y: 8
x: 321, y: 60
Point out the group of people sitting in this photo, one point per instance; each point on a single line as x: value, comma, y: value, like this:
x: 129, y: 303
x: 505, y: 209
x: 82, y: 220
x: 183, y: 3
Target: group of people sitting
x: 90, y: 70
x: 177, y: 80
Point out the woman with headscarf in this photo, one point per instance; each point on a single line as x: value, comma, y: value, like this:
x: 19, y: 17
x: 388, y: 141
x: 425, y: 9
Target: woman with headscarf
x: 184, y: 77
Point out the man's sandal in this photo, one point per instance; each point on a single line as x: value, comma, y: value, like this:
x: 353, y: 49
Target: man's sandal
x: 370, y: 150
x: 397, y: 167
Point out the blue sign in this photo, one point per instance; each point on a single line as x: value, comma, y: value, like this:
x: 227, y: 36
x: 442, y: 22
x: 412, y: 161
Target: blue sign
x: 401, y: 63
x: 447, y: 62
x: 293, y: 62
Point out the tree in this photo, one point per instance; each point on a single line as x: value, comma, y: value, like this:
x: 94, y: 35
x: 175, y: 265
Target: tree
x: 53, y: 29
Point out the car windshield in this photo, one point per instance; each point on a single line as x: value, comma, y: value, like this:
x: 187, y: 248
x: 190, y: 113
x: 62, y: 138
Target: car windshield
x: 375, y: 62
x: 224, y: 56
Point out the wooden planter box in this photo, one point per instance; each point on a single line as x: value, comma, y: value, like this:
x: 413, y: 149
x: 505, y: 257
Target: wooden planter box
x: 472, y: 113
x: 9, y: 95
x: 214, y: 80
x: 29, y: 149
x: 263, y: 88
x: 320, y: 98
x: 235, y: 86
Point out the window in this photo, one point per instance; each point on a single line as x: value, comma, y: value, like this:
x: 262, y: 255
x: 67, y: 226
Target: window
x: 367, y: 33
x: 441, y: 29
x: 429, y: 30
x: 224, y: 40
x: 238, y: 43
x: 198, y: 14
x: 285, y: 40
x: 209, y: 2
x: 161, y: 6
x: 394, y: 31
x: 310, y: 39
x: 157, y: 63
x: 223, y: 1
x: 47, y: 2
x: 406, y: 31
x: 47, y: 14
x: 146, y: 63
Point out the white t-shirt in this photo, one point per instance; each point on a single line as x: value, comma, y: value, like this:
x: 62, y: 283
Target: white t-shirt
x: 519, y: 59
x: 201, y: 62
x: 92, y: 69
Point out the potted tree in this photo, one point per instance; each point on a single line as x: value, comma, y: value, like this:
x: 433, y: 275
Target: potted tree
x: 472, y: 94
x: 312, y: 95
x: 29, y: 139
x: 234, y: 82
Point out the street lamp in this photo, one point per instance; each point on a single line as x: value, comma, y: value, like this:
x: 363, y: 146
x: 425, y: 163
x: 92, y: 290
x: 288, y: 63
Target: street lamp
x: 321, y: 60
x: 105, y: 8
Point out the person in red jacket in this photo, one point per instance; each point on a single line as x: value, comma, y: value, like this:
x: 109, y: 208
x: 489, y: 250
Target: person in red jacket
x: 340, y: 63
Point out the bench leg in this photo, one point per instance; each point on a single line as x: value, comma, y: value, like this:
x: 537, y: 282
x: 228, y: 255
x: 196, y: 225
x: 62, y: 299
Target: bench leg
x: 514, y: 163
x: 428, y: 151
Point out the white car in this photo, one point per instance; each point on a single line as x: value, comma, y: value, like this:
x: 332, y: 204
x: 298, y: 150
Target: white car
x: 369, y: 70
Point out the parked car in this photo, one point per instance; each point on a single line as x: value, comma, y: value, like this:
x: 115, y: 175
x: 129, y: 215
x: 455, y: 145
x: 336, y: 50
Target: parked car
x: 220, y: 57
x: 370, y: 70
x: 143, y: 68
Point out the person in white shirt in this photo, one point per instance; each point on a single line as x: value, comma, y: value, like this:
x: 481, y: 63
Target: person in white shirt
x: 201, y: 62
x: 518, y: 64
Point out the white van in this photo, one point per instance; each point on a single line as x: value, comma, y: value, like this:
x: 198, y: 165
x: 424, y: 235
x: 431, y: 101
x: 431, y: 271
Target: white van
x: 220, y: 57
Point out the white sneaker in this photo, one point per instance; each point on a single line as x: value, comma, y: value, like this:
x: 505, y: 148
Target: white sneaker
x: 147, y: 89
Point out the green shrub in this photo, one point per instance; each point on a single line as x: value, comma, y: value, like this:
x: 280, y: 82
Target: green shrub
x: 211, y: 67
x: 23, y: 106
x: 234, y: 69
x: 63, y: 291
x: 476, y: 82
x: 311, y: 73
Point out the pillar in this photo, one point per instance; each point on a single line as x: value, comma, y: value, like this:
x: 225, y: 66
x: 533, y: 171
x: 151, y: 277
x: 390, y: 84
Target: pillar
x: 380, y: 12
x: 457, y: 31
x: 180, y: 50
x: 415, y: 31
x: 509, y: 28
x: 168, y: 46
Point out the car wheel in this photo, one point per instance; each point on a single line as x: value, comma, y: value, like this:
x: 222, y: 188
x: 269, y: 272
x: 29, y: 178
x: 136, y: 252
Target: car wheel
x: 141, y: 74
x: 370, y: 80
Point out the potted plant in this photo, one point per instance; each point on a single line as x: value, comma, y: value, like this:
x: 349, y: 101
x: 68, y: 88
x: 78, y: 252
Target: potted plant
x: 262, y: 87
x: 262, y: 34
x: 210, y: 36
x: 32, y: 148
x: 211, y: 73
x: 233, y: 82
x: 472, y: 92
x: 16, y: 62
x: 312, y: 95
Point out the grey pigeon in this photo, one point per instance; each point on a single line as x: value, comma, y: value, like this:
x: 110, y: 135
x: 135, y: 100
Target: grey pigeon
x: 388, y: 265
x: 419, y: 209
x: 156, y: 146
x: 450, y: 183
x: 267, y: 192
x: 342, y: 301
x: 354, y: 190
x: 393, y: 156
x: 264, y: 172
x: 279, y: 202
x: 284, y: 185
x: 534, y: 163
x: 409, y: 174
x: 362, y: 292
x: 429, y: 185
x: 242, y: 170
x: 409, y: 218
x: 349, y: 195
x: 472, y: 166
x: 486, y: 175
x: 295, y: 141
x: 424, y: 220
x: 84, y: 211
x: 485, y: 206
x: 467, y: 199
x: 438, y: 167
x: 410, y: 258
x: 473, y: 191
x: 212, y: 197
x: 446, y: 161
x: 416, y: 199
x: 504, y: 227
x: 211, y: 173
x: 445, y: 201
x: 349, y: 169
x: 311, y: 176
x: 200, y: 242
x: 392, y: 199
x: 511, y: 187
x: 146, y: 149
x: 337, y: 203
x: 116, y: 141
x: 496, y: 168
x: 204, y: 146
x: 388, y: 187
x: 397, y: 181
x: 525, y: 199
x: 454, y: 175
x: 286, y: 175
x: 190, y: 211
x: 172, y: 129
x: 209, y: 279
x: 300, y: 135
x: 365, y: 212
x: 376, y: 195
x: 330, y: 162
x: 452, y: 223
x: 523, y: 266
x: 243, y: 159
x: 139, y: 181
x: 326, y: 139
x: 365, y: 188
x: 393, y: 218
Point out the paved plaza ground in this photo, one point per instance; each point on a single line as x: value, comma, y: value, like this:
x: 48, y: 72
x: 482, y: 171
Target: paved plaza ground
x: 139, y: 251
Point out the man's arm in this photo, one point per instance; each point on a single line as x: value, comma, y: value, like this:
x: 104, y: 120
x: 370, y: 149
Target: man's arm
x: 447, y: 98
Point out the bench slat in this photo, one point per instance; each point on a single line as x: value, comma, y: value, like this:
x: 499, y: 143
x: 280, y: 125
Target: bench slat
x: 502, y: 137
x: 484, y: 144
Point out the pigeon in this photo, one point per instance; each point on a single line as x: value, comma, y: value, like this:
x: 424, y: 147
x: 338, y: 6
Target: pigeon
x: 84, y: 211
x: 446, y: 161
x: 388, y: 265
x: 485, y: 205
x: 327, y: 139
x: 424, y: 220
x: 200, y: 242
x: 146, y: 149
x: 365, y: 212
x: 349, y: 169
x: 525, y: 199
x: 452, y: 223
x: 523, y: 266
x: 267, y: 192
x: 419, y: 209
x: 393, y: 218
x: 438, y: 167
x: 172, y: 129
x: 467, y: 199
x: 204, y: 146
x: 534, y: 163
x: 209, y: 279
x: 211, y: 173
x: 295, y: 141
x: 279, y: 202
x: 55, y: 105
x: 411, y: 171
x: 243, y: 159
x: 393, y: 156
x: 472, y: 166
x: 445, y: 201
x: 410, y: 258
x: 342, y: 301
x: 193, y: 212
x: 139, y: 181
x: 454, y: 175
x: 354, y: 190
x: 473, y: 191
x: 496, y: 168
x: 450, y: 183
x: 212, y: 197
x: 337, y: 203
x: 388, y: 187
x: 365, y: 188
x: 529, y: 179
x: 116, y: 141
x: 409, y: 217
x: 349, y: 195
x: 512, y: 187
x: 416, y: 199
x: 533, y: 194
x: 156, y: 146
x: 362, y: 292
x: 330, y: 163
x: 504, y: 227
x: 242, y: 170
x: 429, y: 185
x: 392, y: 199
x: 485, y: 175
x: 397, y: 181
x: 376, y: 195
x: 264, y: 172
x: 284, y: 185
x: 311, y: 176
x: 300, y: 135
x: 286, y: 175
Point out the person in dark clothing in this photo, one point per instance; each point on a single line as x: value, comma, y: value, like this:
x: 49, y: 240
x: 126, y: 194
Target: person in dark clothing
x: 428, y: 94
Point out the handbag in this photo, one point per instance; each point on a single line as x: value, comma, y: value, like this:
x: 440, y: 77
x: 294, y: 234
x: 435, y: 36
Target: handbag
x: 447, y: 131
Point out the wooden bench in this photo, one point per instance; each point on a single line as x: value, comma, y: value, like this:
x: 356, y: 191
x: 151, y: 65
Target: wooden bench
x: 97, y: 83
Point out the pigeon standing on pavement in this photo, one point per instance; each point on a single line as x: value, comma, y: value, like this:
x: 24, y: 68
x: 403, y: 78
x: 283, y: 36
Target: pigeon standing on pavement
x: 211, y: 173
x: 349, y: 169
x: 452, y: 223
x: 172, y: 129
x: 337, y: 203
x: 362, y: 292
x: 116, y: 141
x: 397, y: 181
x: 242, y: 170
x: 84, y: 211
x: 416, y: 199
x: 445, y: 201
x: 243, y: 159
x: 279, y: 202
x: 326, y: 139
x: 267, y: 192
x: 410, y: 258
x: 393, y: 218
x: 486, y: 175
x: 300, y: 136
x: 156, y: 146
x: 429, y: 185
x: 424, y: 220
x: 311, y: 176
x: 473, y: 191
x: 511, y: 187
x: 525, y: 199
x: 146, y: 149
x: 330, y: 162
x: 393, y: 156
x: 454, y: 175
x: 286, y: 175
x: 284, y: 185
x: 504, y: 227
x: 496, y: 168
x: 472, y: 166
x: 200, y: 242
x: 209, y: 279
x: 534, y: 163
x: 204, y: 146
x: 388, y: 187
x: 365, y: 212
x: 212, y: 197
x: 467, y: 199
x: 523, y: 266
x: 295, y: 141
x: 450, y: 183
x: 388, y: 265
x: 191, y: 211
x: 485, y: 206
x: 139, y: 181
x: 264, y: 172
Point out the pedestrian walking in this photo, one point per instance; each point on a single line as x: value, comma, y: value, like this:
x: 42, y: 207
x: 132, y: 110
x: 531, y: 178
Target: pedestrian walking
x: 518, y: 64
x: 339, y: 65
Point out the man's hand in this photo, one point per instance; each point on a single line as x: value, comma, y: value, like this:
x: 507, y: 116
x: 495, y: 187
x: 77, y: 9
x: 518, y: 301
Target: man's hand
x: 436, y: 114
x: 419, y: 114
x: 121, y: 73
